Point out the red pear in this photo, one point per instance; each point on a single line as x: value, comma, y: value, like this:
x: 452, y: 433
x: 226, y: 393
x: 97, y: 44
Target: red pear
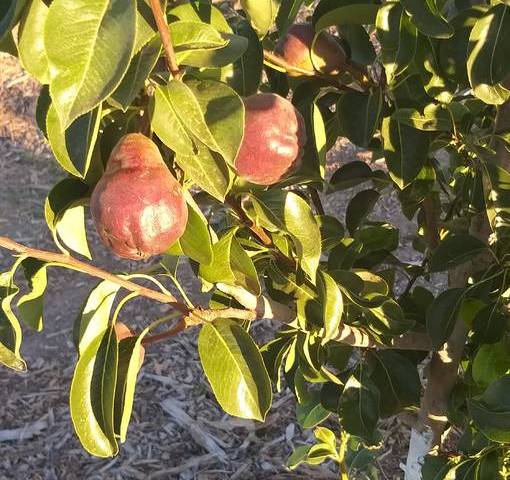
x: 296, y: 49
x: 138, y: 207
x: 274, y: 138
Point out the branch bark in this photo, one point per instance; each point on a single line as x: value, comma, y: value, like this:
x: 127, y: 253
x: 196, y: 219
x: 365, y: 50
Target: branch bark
x: 166, y: 38
x: 255, y: 308
x: 442, y: 371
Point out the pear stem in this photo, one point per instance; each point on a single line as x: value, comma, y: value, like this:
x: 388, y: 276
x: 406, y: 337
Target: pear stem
x: 166, y: 39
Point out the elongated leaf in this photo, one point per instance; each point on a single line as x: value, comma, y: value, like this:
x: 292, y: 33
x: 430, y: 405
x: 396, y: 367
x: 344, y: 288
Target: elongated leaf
x: 231, y: 265
x: 139, y: 70
x: 489, y: 324
x: 89, y: 46
x: 31, y: 41
x: 434, y: 118
x: 65, y: 215
x: 359, y: 208
x: 491, y: 411
x: 93, y: 393
x: 10, y: 329
x: 332, y: 304
x: 426, y: 16
x: 189, y: 36
x: 491, y: 362
x: 74, y: 148
x: 208, y: 170
x: 246, y: 73
x: 279, y: 210
x: 358, y: 115
x: 235, y: 370
x: 357, y: 14
x: 195, y: 242
x: 398, y: 37
x: 93, y: 321
x: 10, y: 11
x: 405, y: 150
x: 488, y: 50
x: 261, y: 13
x: 31, y: 304
x: 398, y: 381
x: 223, y: 114
x: 359, y: 406
x: 455, y: 250
x: 442, y: 315
x: 129, y: 364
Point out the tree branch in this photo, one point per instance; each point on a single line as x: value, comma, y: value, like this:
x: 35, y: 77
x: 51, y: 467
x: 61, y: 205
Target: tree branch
x: 431, y: 217
x: 166, y: 38
x: 255, y: 307
x: 269, y: 309
x: 74, y: 264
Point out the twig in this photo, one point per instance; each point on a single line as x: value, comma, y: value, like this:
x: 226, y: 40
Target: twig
x: 166, y: 38
x: 258, y: 231
x: 74, y: 264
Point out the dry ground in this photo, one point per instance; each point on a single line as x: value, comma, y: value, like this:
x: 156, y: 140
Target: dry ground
x: 195, y: 440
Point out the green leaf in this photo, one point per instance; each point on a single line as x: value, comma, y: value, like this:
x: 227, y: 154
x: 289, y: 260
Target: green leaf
x: 235, y: 370
x: 89, y: 46
x: 491, y: 362
x: 246, y: 73
x: 387, y: 318
x: 10, y: 329
x: 405, y: 150
x: 31, y: 304
x: 357, y: 14
x: 332, y: 231
x: 489, y: 324
x: 358, y: 115
x: 311, y: 413
x: 261, y: 13
x: 397, y: 379
x: 65, y: 215
x: 191, y: 36
x: 453, y: 51
x: 231, y: 265
x: 332, y: 304
x: 455, y: 250
x: 168, y: 125
x: 223, y: 113
x: 398, y: 37
x: 31, y: 41
x: 94, y: 317
x: 10, y: 11
x: 128, y: 367
x: 208, y: 170
x: 205, y: 13
x: 139, y: 70
x: 74, y: 148
x: 442, y: 315
x: 491, y: 411
x: 360, y: 206
x: 359, y: 406
x: 487, y: 62
x: 93, y: 393
x: 434, y: 118
x: 196, y: 241
x: 426, y: 16
x: 279, y: 210
x: 298, y: 456
x: 350, y: 175
x: 287, y: 14
x: 362, y: 50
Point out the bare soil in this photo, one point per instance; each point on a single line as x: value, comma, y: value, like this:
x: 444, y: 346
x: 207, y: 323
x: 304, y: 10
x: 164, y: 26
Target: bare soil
x: 193, y: 438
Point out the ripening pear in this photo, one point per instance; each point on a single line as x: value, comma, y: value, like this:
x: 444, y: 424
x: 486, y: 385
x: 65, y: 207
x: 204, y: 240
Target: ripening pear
x: 138, y: 206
